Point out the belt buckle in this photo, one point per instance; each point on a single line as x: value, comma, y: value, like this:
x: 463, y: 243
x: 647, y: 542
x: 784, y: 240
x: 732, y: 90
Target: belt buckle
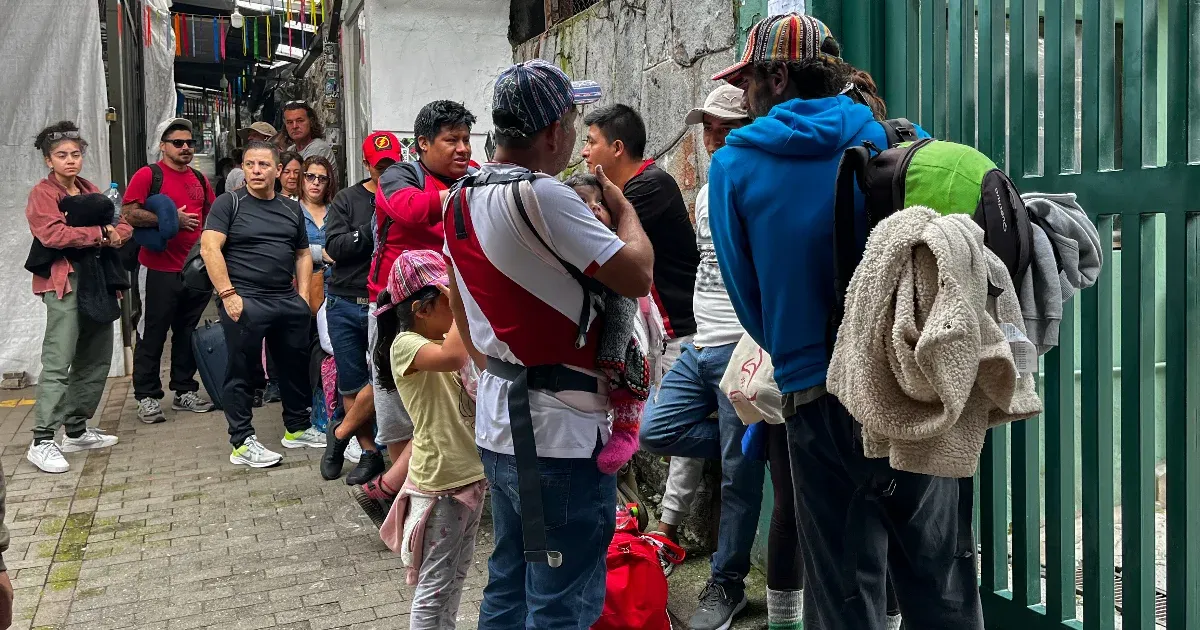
x: 362, y: 301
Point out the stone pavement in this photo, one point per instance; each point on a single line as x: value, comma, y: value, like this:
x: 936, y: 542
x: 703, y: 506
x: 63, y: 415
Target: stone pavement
x: 162, y: 532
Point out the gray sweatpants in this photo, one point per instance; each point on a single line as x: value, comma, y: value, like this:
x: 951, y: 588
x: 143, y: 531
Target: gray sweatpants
x: 683, y: 473
x: 447, y: 550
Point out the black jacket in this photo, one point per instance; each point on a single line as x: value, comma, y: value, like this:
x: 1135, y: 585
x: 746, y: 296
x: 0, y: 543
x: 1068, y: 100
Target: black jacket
x: 350, y: 240
x: 98, y: 271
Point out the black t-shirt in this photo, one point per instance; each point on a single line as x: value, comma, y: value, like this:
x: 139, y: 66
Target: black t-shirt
x: 260, y: 247
x: 659, y: 204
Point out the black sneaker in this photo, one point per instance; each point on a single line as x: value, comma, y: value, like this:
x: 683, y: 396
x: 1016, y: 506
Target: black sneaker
x: 717, y: 609
x: 335, y: 452
x: 271, y: 394
x: 258, y: 398
x: 367, y: 469
x: 375, y: 509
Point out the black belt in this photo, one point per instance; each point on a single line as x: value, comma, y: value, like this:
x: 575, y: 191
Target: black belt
x: 552, y: 378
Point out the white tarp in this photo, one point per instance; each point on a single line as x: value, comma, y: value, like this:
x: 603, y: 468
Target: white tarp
x: 54, y: 72
x: 159, y: 75
x: 781, y: 7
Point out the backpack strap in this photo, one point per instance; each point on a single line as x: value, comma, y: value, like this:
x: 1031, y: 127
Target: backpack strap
x: 899, y: 130
x: 586, y: 283
x: 203, y: 186
x: 846, y: 252
x: 156, y: 179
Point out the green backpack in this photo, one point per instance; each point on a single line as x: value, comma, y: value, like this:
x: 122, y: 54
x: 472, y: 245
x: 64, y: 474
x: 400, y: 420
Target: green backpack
x: 947, y: 177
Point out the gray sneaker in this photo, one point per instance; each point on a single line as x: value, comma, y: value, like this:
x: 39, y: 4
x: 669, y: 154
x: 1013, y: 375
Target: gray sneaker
x: 716, y: 610
x: 150, y: 412
x: 191, y: 401
x: 253, y: 454
x: 309, y: 437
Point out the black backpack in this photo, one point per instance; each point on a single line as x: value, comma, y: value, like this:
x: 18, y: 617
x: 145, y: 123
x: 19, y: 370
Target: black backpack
x: 128, y: 252
x: 947, y: 177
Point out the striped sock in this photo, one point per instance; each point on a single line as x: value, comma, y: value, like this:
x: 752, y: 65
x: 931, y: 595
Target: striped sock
x: 784, y: 609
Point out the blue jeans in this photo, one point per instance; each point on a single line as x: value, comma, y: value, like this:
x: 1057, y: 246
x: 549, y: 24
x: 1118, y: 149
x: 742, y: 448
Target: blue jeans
x: 676, y: 423
x: 579, y: 503
x: 348, y: 336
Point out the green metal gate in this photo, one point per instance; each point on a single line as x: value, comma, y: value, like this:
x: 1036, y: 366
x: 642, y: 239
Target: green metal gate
x: 1125, y: 74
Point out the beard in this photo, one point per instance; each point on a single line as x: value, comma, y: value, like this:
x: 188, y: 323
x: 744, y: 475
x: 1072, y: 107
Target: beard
x: 760, y: 100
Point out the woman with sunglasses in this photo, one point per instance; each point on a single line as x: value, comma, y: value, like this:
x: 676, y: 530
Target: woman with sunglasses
x: 76, y: 351
x: 289, y: 177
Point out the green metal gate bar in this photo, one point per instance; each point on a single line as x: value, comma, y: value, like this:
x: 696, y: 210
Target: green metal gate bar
x: 970, y: 71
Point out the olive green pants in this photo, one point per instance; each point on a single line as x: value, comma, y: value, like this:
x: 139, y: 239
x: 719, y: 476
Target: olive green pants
x: 76, y: 355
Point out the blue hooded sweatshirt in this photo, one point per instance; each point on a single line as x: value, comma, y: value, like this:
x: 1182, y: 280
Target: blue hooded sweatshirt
x: 771, y: 194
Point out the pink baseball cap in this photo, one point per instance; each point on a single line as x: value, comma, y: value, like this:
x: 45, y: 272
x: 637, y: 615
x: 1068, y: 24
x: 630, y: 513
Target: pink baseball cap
x: 414, y: 270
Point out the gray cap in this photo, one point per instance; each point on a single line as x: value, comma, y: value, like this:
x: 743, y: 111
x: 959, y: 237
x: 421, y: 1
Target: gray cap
x: 175, y: 122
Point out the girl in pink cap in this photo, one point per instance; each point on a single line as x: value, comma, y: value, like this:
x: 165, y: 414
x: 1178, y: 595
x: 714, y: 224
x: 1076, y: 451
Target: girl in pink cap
x: 435, y: 515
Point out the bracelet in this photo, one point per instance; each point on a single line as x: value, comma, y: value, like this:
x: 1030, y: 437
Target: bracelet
x: 227, y: 292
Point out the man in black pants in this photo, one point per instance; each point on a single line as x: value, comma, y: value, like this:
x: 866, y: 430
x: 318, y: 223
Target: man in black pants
x: 772, y: 193
x: 254, y: 246
x: 167, y: 305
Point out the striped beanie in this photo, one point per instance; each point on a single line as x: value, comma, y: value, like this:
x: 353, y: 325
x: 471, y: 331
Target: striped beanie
x: 789, y: 37
x: 531, y: 95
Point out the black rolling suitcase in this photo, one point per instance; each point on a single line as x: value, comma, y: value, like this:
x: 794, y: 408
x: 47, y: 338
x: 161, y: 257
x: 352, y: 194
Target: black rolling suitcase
x: 212, y: 357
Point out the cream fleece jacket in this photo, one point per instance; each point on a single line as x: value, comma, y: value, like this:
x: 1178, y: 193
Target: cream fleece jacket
x: 920, y: 360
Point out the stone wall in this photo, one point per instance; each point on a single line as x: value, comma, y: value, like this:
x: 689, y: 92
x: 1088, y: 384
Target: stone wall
x: 656, y: 56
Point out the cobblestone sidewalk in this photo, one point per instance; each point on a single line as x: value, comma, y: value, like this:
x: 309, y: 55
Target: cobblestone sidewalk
x: 162, y: 532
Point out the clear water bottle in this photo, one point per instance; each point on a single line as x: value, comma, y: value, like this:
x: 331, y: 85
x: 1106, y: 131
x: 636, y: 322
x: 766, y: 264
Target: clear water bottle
x: 114, y: 195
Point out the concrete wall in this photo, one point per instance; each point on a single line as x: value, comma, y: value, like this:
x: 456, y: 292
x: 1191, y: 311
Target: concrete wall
x: 424, y: 50
x: 656, y: 56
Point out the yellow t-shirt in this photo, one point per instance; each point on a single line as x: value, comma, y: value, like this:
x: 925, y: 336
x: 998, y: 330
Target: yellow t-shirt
x: 443, y: 447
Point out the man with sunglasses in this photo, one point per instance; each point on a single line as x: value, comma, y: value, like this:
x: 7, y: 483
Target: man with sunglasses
x: 167, y: 305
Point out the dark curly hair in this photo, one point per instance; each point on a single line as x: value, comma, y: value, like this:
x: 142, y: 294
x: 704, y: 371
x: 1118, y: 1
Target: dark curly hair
x: 438, y: 115
x: 62, y: 131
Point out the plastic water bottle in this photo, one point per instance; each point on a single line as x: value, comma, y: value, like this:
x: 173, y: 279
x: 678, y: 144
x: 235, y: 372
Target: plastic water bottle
x: 114, y: 195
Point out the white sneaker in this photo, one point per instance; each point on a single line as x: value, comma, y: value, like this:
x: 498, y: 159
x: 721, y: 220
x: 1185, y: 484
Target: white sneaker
x: 309, y: 437
x: 47, y: 457
x: 353, y: 451
x: 91, y: 438
x: 253, y: 454
x: 894, y: 622
x: 150, y: 412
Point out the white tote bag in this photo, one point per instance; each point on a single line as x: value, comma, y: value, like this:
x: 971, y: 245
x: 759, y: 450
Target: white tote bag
x: 749, y: 382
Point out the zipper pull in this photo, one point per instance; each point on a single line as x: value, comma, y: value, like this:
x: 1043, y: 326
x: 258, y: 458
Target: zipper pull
x: 875, y: 150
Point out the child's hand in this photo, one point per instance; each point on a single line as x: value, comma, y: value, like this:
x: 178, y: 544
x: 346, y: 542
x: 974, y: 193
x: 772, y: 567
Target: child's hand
x: 614, y: 199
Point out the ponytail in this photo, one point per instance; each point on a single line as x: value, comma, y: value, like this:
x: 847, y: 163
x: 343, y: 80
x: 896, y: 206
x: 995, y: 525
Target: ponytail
x: 868, y: 92
x: 387, y: 326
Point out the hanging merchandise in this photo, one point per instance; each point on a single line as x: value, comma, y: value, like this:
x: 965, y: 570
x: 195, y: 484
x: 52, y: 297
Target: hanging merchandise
x: 192, y: 35
x: 255, y: 26
x: 287, y: 7
x: 245, y: 51
x: 120, y: 22
x: 216, y: 41
x: 221, y: 37
x: 147, y: 21
x: 268, y: 36
x: 175, y: 29
x: 302, y: 37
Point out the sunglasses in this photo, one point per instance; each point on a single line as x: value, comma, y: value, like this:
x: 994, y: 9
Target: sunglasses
x: 179, y: 144
x: 314, y: 177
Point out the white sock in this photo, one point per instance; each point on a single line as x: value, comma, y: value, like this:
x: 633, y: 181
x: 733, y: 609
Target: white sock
x: 894, y: 621
x: 784, y: 609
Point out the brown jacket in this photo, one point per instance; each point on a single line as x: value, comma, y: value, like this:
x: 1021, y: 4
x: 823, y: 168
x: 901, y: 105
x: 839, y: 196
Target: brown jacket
x: 48, y: 225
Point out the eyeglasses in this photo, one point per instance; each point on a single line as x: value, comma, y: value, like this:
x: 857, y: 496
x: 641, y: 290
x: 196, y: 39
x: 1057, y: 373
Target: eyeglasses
x: 179, y: 144
x: 315, y: 177
x: 60, y: 135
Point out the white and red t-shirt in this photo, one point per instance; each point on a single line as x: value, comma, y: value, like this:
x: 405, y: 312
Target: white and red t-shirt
x: 523, y: 307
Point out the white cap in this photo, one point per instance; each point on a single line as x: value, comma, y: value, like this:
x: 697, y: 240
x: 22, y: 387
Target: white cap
x: 725, y: 102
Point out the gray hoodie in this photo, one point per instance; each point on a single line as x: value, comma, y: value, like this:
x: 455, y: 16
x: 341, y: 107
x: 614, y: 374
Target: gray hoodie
x: 1066, y: 257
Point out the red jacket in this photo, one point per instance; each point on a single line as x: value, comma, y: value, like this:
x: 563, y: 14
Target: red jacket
x: 408, y: 215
